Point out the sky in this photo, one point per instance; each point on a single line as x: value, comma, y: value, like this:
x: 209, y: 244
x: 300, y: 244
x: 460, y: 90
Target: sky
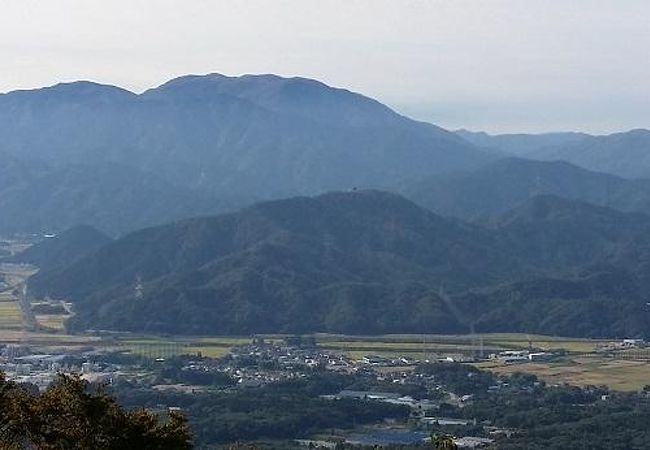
x: 500, y: 66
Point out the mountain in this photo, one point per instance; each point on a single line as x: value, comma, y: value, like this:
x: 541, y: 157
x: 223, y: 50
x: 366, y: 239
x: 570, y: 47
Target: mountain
x: 64, y: 248
x: 358, y: 262
x: 112, y: 197
x: 16, y: 171
x: 259, y: 136
x: 604, y: 303
x: 342, y: 262
x: 595, y: 273
x: 553, y: 232
x: 597, y: 289
x: 625, y: 154
x: 506, y: 183
x: 298, y: 97
x: 521, y: 144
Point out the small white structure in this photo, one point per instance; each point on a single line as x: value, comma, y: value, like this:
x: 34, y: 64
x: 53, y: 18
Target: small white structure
x: 513, y: 356
x: 539, y: 356
x: 473, y: 442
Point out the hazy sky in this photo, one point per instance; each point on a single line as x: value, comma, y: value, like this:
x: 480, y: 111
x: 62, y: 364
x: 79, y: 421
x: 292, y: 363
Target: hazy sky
x: 501, y: 66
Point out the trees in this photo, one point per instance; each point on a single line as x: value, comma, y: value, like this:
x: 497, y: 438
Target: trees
x: 71, y: 416
x: 443, y: 442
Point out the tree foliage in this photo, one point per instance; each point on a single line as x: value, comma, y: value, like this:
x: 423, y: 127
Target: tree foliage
x: 70, y: 415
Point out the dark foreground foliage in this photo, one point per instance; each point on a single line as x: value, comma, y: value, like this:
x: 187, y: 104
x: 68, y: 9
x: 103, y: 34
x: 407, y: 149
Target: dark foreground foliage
x: 71, y: 416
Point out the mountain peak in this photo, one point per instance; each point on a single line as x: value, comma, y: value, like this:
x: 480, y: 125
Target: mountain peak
x: 74, y: 91
x: 297, y: 96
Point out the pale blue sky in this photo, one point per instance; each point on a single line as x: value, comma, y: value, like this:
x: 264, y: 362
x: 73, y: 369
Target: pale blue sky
x: 501, y: 66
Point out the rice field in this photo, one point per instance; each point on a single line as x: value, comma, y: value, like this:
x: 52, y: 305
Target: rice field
x: 52, y: 322
x: 164, y: 347
x: 356, y: 347
x: 417, y: 346
x: 11, y: 316
x: 617, y: 374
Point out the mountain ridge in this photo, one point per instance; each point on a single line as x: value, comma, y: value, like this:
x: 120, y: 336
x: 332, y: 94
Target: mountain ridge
x: 625, y: 154
x: 353, y: 262
x: 249, y: 138
x: 508, y: 182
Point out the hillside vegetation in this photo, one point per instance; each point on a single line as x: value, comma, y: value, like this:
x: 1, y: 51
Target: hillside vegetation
x: 368, y: 262
x: 495, y: 188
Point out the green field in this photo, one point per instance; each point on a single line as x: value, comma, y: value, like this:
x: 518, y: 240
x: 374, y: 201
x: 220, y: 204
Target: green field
x: 162, y: 347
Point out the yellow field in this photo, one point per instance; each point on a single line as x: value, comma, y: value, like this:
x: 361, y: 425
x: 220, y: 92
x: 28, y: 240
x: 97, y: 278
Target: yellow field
x: 53, y: 322
x: 8, y: 336
x: 515, y: 340
x: 622, y: 375
x: 11, y: 316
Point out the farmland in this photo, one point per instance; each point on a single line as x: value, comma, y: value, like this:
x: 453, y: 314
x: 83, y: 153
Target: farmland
x: 618, y: 374
x: 161, y: 347
x: 11, y: 317
x: 419, y: 346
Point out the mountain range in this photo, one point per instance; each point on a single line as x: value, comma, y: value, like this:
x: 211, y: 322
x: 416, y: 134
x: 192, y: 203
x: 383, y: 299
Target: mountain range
x: 508, y: 182
x: 626, y: 154
x: 262, y: 204
x: 366, y: 262
x: 88, y: 153
x: 227, y: 140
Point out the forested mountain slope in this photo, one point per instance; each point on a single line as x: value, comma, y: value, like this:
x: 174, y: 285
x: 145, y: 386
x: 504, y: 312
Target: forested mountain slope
x: 356, y: 262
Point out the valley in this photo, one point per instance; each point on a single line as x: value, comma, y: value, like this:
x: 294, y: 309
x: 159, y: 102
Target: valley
x: 294, y: 225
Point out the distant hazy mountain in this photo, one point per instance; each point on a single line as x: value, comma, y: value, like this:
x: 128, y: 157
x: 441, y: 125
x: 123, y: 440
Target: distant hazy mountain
x: 112, y: 197
x: 625, y: 154
x: 520, y: 144
x: 64, y: 249
x: 504, y: 184
x: 253, y: 136
x: 364, y: 262
x: 18, y: 172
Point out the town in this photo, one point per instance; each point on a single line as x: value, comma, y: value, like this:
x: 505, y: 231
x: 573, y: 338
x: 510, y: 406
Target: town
x: 428, y: 401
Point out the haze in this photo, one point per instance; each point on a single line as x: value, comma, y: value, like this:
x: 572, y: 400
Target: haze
x: 499, y: 66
